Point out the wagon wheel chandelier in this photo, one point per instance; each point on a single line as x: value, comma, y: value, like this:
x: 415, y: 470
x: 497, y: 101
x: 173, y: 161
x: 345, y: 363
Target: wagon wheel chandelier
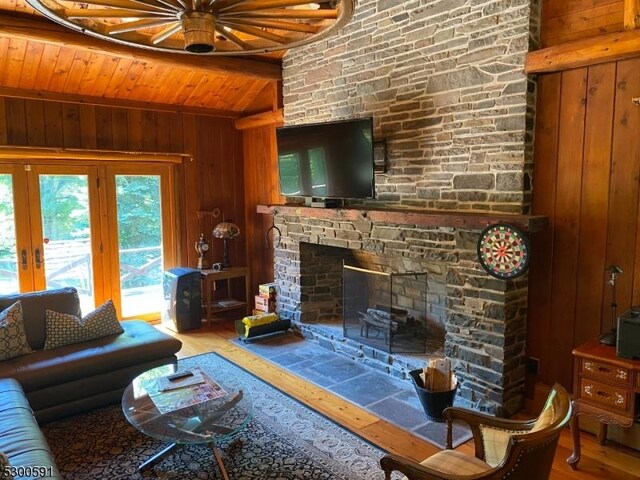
x: 213, y: 27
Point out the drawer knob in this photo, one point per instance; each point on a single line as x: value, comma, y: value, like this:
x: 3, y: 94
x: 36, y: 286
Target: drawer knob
x: 600, y: 393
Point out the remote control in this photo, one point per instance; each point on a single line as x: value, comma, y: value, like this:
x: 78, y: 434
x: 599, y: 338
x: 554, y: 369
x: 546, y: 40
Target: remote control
x: 179, y: 376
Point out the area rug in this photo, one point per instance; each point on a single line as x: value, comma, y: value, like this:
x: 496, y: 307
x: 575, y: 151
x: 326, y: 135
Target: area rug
x: 388, y: 398
x: 284, y: 440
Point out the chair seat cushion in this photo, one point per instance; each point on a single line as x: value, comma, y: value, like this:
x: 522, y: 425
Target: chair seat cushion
x: 455, y: 463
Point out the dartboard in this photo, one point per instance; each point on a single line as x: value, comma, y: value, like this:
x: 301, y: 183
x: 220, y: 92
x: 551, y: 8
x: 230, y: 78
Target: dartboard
x: 503, y: 251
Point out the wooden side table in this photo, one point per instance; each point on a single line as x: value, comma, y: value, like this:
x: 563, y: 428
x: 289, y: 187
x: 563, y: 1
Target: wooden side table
x: 605, y: 388
x: 209, y: 279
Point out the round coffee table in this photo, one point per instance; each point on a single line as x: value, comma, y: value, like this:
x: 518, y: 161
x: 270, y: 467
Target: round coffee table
x: 169, y: 417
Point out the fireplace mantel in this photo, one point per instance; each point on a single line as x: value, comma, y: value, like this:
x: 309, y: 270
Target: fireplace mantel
x: 423, y: 218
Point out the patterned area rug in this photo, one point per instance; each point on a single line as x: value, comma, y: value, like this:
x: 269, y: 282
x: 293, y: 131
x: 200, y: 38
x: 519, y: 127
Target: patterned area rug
x: 284, y: 440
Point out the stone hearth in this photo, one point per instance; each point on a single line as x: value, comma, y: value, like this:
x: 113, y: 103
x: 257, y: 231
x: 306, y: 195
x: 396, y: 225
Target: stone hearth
x: 483, y: 318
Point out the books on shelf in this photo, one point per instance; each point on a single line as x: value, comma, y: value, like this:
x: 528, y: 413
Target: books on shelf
x: 196, y: 389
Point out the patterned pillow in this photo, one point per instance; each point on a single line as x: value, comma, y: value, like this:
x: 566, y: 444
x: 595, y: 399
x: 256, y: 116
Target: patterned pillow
x: 13, y: 341
x: 5, y: 472
x: 64, y: 329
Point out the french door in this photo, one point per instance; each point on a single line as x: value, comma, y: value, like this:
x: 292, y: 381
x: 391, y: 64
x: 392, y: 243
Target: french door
x: 105, y: 229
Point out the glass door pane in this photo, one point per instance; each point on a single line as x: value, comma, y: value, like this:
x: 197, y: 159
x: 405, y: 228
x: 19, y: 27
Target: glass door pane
x: 62, y: 237
x: 9, y: 282
x: 64, y: 201
x: 140, y: 247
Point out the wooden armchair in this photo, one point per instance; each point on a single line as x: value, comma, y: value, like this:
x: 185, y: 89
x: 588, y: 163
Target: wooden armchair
x: 504, y: 448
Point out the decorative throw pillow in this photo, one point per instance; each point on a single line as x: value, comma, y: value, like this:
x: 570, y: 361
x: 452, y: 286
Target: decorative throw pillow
x: 5, y: 471
x: 64, y: 329
x: 13, y: 341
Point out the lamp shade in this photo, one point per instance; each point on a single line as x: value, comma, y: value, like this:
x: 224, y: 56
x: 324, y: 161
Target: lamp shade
x: 226, y: 230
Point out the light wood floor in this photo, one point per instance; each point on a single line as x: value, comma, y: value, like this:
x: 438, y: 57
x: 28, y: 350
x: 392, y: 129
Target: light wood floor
x: 609, y: 462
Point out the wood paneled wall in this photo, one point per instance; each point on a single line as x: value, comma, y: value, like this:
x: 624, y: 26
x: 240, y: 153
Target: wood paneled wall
x: 564, y: 20
x: 213, y: 178
x: 262, y: 186
x: 587, y: 180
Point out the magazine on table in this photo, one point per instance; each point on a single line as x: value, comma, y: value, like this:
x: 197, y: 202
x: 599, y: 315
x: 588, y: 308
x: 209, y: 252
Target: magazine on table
x: 195, y: 389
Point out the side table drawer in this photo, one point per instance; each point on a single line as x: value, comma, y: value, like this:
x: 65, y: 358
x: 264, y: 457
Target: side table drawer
x: 610, y: 397
x: 603, y: 371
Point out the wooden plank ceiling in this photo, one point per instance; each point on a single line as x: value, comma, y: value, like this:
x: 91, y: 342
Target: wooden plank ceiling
x: 37, y: 66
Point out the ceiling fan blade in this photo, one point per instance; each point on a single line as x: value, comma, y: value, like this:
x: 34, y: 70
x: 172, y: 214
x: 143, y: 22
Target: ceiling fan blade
x: 276, y: 25
x: 166, y: 33
x: 256, y: 32
x: 285, y: 13
x: 267, y: 4
x: 111, y: 13
x: 138, y: 25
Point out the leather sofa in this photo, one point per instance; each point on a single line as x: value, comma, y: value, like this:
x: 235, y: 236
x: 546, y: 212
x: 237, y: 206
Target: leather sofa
x: 20, y: 438
x: 82, y: 376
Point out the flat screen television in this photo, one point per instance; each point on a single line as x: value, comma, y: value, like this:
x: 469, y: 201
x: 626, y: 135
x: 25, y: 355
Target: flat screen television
x: 327, y: 160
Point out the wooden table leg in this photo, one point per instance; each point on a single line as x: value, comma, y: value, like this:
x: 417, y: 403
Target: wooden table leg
x: 207, y: 298
x: 216, y: 453
x: 602, y: 433
x: 575, y: 434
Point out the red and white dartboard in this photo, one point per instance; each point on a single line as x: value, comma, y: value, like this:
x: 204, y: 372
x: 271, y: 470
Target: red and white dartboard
x: 503, y: 251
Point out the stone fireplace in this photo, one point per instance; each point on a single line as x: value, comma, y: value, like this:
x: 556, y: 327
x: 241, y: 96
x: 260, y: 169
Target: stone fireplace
x: 444, y: 82
x: 481, y: 319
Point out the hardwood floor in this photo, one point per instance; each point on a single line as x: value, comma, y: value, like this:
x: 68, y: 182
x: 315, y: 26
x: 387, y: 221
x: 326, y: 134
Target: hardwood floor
x: 609, y: 462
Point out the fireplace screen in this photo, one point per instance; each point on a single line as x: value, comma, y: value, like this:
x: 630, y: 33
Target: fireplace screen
x: 385, y: 310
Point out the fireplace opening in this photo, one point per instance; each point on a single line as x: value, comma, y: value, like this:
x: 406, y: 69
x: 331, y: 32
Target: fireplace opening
x: 386, y: 311
x: 413, y: 302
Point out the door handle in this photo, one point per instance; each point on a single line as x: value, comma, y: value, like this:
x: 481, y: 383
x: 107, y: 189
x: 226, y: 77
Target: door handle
x: 38, y: 259
x: 23, y: 259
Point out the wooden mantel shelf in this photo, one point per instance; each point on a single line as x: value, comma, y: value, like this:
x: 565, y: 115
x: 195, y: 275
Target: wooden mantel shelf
x: 423, y: 218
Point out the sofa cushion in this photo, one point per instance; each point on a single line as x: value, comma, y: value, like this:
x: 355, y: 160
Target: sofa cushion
x: 20, y: 438
x: 140, y: 343
x: 13, y: 341
x: 34, y: 306
x: 64, y: 329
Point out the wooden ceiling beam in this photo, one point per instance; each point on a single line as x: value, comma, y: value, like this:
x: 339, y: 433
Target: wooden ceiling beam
x: 582, y: 53
x: 114, y: 102
x: 47, y: 32
x: 631, y: 14
x: 274, y: 118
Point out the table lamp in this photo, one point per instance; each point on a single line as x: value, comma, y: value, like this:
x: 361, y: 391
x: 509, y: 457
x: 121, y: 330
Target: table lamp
x: 226, y: 231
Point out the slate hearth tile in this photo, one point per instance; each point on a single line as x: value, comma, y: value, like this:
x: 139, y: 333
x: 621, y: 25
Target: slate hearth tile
x: 289, y: 358
x: 339, y: 369
x: 315, y: 377
x: 398, y: 412
x: 438, y: 431
x: 275, y: 346
x: 368, y: 388
x: 408, y: 395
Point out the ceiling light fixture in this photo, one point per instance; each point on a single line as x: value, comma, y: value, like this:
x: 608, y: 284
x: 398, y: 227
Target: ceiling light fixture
x: 214, y: 27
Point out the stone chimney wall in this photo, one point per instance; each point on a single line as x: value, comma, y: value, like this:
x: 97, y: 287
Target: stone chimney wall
x: 444, y: 82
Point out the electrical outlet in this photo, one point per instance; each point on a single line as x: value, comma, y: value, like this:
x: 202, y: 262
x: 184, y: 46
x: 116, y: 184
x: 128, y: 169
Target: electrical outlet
x: 532, y: 365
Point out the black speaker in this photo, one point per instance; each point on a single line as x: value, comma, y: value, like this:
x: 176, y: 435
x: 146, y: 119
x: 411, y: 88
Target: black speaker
x: 182, y: 299
x: 628, y: 344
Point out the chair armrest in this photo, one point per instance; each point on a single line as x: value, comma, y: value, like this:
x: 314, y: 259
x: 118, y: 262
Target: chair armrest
x: 412, y: 470
x: 474, y: 418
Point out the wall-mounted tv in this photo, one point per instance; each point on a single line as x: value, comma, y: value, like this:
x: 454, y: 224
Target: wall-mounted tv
x: 327, y: 160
